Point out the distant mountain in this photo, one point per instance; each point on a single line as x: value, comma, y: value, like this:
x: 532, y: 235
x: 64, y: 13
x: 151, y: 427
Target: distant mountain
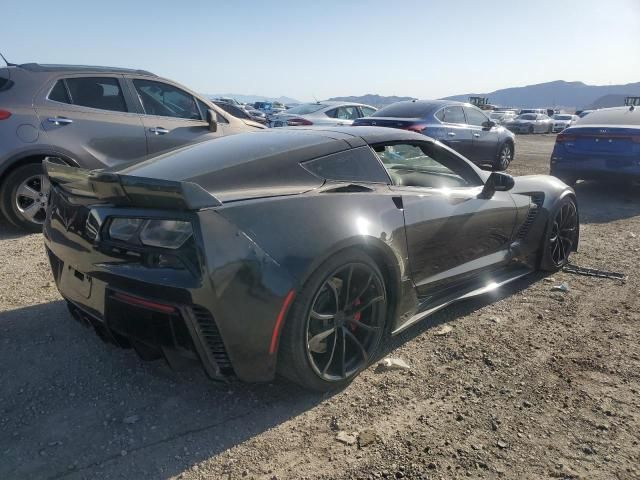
x: 553, y: 94
x: 253, y: 98
x: 371, y: 99
x: 613, y: 100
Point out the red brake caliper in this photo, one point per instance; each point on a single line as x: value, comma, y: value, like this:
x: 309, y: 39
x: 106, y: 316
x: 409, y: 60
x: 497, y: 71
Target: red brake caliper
x: 357, y: 316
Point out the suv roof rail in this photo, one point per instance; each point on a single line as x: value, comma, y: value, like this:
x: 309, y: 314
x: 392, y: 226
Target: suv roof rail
x: 39, y: 67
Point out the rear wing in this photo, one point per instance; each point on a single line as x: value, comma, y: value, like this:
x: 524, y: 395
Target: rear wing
x: 128, y: 190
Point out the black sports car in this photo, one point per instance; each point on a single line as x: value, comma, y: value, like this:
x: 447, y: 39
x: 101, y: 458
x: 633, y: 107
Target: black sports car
x: 293, y: 250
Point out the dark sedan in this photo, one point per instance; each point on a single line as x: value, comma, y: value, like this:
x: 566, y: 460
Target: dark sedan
x: 604, y: 145
x: 461, y: 126
x: 293, y: 250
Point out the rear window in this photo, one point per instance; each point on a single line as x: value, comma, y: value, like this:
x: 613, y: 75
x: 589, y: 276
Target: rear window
x: 306, y: 108
x: 59, y: 93
x: 404, y: 110
x: 357, y: 164
x: 618, y: 116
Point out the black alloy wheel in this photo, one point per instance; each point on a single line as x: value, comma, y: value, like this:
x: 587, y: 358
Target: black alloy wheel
x: 336, y: 323
x: 561, y: 236
x: 505, y: 156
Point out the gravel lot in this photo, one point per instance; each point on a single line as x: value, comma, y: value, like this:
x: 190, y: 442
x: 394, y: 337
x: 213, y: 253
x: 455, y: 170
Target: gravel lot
x: 528, y: 383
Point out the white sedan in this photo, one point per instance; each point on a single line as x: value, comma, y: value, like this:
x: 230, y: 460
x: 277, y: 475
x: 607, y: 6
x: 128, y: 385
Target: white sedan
x: 321, y: 113
x: 562, y: 121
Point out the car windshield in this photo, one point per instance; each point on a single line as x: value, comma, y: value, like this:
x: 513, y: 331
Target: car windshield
x: 306, y: 108
x: 527, y: 116
x: 562, y: 117
x: 404, y: 110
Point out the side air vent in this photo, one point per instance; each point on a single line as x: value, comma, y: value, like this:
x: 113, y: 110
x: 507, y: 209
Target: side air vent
x: 537, y: 199
x: 212, y: 338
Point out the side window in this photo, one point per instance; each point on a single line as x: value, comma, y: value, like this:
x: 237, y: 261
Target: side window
x: 367, y: 111
x: 103, y: 93
x: 203, y: 108
x: 333, y: 113
x: 475, y: 116
x: 59, y: 93
x: 425, y: 165
x: 166, y: 100
x: 452, y: 114
x: 347, y: 113
x: 357, y: 164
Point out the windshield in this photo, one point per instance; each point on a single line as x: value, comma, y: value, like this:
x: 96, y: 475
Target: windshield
x: 527, y: 116
x: 562, y: 117
x: 306, y: 108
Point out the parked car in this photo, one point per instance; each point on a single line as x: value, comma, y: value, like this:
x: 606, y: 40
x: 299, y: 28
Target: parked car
x: 321, y: 113
x: 242, y: 113
x: 502, y: 117
x: 91, y: 117
x: 230, y: 100
x: 289, y: 253
x: 269, y: 108
x: 584, y: 113
x: 461, y: 126
x: 530, y: 123
x: 602, y: 145
x: 542, y: 111
x: 563, y: 120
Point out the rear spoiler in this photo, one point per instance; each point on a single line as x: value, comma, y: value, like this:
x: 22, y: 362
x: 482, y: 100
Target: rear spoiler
x: 128, y: 190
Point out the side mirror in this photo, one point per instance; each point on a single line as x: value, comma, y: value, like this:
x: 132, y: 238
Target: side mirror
x: 489, y: 124
x: 497, y: 182
x: 211, y: 120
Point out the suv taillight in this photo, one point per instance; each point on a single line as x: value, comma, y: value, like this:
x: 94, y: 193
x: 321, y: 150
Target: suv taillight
x: 4, y: 114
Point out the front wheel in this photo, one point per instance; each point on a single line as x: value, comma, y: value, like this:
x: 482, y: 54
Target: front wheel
x: 561, y: 236
x: 531, y: 130
x: 336, y: 323
x: 24, y: 197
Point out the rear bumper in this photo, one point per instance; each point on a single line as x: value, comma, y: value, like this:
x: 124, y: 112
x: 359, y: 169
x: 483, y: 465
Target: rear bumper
x: 221, y: 313
x: 594, y: 168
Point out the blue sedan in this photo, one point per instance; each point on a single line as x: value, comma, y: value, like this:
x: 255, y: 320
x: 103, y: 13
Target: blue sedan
x: 602, y: 145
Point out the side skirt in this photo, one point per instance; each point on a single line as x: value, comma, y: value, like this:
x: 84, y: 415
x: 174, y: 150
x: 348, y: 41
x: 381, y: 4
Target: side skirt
x: 433, y: 304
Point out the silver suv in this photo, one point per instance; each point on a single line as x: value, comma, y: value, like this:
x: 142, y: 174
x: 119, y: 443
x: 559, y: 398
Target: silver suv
x: 91, y: 117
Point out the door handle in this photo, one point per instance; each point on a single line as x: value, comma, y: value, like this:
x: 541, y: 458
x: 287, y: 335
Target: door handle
x: 451, y: 134
x: 60, y: 120
x: 159, y: 130
x: 476, y: 135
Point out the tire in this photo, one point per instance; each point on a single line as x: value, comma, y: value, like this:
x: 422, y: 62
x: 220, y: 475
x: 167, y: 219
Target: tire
x: 560, y: 236
x: 550, y: 129
x: 530, y: 130
x: 24, y: 196
x: 504, y: 156
x: 323, y: 323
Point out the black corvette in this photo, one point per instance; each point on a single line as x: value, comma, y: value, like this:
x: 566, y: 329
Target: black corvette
x: 293, y: 250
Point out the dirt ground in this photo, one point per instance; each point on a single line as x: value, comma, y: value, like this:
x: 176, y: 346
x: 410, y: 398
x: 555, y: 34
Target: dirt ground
x: 528, y: 383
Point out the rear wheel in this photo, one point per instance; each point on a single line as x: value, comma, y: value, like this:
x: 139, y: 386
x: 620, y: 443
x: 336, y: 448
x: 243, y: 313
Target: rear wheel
x: 336, y: 323
x: 505, y: 156
x: 24, y: 197
x: 561, y: 236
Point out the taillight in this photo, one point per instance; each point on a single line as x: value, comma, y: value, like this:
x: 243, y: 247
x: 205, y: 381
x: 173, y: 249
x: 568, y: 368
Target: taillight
x: 635, y: 138
x: 416, y: 127
x: 4, y: 114
x: 297, y: 122
x: 565, y: 138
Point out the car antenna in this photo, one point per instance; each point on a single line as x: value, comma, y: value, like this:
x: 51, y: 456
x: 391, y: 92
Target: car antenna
x: 9, y: 64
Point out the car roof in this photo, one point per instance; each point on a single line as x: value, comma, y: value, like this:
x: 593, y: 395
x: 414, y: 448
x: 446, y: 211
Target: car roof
x: 629, y: 116
x: 39, y: 67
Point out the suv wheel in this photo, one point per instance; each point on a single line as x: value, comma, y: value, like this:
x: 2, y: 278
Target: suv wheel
x: 24, y: 197
x: 505, y: 156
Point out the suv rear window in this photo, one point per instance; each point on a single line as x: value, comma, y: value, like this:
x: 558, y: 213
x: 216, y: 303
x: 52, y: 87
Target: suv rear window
x: 102, y: 93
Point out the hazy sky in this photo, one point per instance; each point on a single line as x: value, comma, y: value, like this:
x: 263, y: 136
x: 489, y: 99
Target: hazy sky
x: 307, y: 49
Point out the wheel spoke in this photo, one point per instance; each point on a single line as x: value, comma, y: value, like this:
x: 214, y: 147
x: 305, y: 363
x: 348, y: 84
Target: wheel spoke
x: 364, y: 289
x: 31, y: 211
x: 322, y: 316
x: 335, y: 294
x: 45, y: 185
x: 25, y: 190
x: 331, y: 355
x: 315, y: 342
x: 368, y: 304
x: 364, y: 326
x: 348, y: 288
x: 343, y: 364
x: 355, y: 340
